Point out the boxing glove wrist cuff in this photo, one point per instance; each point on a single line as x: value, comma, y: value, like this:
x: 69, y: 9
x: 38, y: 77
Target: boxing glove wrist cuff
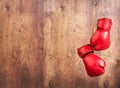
x: 104, y: 24
x: 84, y: 50
x: 87, y: 54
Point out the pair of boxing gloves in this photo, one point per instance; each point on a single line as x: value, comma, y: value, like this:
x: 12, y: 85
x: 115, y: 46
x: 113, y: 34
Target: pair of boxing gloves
x: 100, y: 40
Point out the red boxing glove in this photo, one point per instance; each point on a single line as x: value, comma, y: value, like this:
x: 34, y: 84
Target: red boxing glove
x: 100, y: 40
x: 94, y: 65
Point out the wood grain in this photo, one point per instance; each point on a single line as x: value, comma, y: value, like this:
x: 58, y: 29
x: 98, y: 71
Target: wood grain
x: 39, y: 39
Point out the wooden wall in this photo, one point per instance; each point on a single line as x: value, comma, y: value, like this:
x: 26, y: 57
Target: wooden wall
x: 39, y: 38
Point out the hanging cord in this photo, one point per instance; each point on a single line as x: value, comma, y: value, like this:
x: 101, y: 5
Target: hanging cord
x: 92, y: 18
x: 93, y: 7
